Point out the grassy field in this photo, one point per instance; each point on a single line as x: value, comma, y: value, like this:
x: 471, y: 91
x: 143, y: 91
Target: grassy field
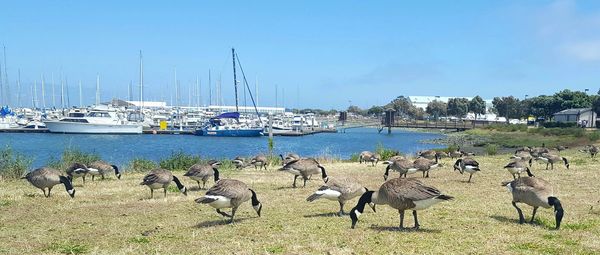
x: 117, y: 217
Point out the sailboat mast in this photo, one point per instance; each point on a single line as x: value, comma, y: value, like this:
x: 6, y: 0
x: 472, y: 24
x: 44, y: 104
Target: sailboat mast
x: 7, y: 86
x: 141, y: 83
x: 235, y: 80
x: 209, y: 89
x: 62, y: 92
x: 80, y: 95
x: 53, y: 93
x: 19, y: 88
x: 43, y: 92
x: 97, y: 89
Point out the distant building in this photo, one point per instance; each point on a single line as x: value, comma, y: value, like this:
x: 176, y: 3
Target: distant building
x: 245, y: 109
x: 579, y: 115
x: 148, y: 104
x: 423, y: 101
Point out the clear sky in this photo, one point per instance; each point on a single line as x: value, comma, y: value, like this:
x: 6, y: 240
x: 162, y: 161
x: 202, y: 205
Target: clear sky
x: 322, y: 54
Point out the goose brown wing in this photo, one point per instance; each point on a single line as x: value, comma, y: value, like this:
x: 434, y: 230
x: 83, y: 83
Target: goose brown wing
x: 228, y: 188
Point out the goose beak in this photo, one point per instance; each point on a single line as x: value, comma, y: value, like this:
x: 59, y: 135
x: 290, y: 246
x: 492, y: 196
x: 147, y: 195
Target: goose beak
x: 372, y: 205
x: 119, y: 176
x: 71, y: 193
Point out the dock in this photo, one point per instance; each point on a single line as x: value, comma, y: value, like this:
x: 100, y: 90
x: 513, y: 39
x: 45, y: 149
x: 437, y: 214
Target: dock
x: 179, y: 132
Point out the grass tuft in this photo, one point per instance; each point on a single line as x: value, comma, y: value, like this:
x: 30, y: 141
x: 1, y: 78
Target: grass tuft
x: 275, y: 249
x: 139, y: 240
x: 179, y: 161
x: 140, y: 165
x: 13, y: 165
x: 68, y: 248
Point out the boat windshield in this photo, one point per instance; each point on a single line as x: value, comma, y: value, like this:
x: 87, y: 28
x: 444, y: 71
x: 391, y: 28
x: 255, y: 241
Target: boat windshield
x: 99, y: 114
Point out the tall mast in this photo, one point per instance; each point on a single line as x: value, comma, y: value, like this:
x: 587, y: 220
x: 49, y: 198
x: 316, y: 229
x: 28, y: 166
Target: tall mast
x: 62, y: 92
x: 43, y: 91
x: 176, y: 89
x: 67, y: 91
x: 234, y: 80
x: 209, y: 89
x: 6, y: 77
x: 199, y: 91
x: 97, y: 89
x: 141, y: 83
x: 53, y: 93
x: 34, y: 97
x: 129, y: 91
x: 80, y: 95
x: 19, y: 88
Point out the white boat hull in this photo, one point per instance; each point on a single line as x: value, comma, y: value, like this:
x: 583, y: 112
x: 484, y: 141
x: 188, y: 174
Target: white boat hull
x: 88, y: 128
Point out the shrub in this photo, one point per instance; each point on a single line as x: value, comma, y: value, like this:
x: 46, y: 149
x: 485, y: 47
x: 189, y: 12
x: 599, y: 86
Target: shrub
x: 553, y: 124
x: 13, y: 165
x: 141, y: 165
x: 594, y: 136
x: 385, y: 153
x: 491, y: 149
x: 354, y: 157
x: 72, y: 155
x: 179, y: 161
x: 507, y: 127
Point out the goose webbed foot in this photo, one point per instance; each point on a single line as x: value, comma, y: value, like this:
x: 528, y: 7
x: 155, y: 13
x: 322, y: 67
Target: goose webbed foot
x: 223, y: 213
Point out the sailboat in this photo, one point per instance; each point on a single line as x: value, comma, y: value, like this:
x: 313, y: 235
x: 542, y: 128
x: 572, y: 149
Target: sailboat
x: 228, y: 124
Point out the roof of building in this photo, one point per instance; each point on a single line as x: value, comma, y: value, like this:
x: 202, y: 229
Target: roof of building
x: 573, y: 111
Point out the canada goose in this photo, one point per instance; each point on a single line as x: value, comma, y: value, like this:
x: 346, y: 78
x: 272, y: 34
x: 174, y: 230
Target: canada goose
x: 228, y: 193
x: 561, y: 148
x: 517, y: 167
x: 396, y: 157
x: 403, y: 166
x: 456, y: 154
x: 367, y: 156
x: 468, y: 165
x: 525, y: 148
x: 535, y: 192
x: 161, y: 179
x: 523, y: 155
x: 593, y: 150
x: 46, y: 177
x: 77, y: 170
x: 550, y: 159
x: 102, y: 168
x: 239, y: 162
x: 538, y: 151
x: 429, y: 154
x: 339, y: 189
x: 289, y: 157
x: 259, y: 161
x: 305, y: 167
x: 402, y: 194
x: 202, y: 172
x: 424, y: 165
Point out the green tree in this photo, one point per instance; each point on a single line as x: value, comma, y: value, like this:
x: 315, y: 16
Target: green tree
x: 508, y: 107
x: 376, y: 110
x: 458, y: 107
x: 437, y: 108
x: 572, y: 99
x: 477, y: 106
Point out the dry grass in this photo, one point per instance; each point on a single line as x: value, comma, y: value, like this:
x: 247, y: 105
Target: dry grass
x: 117, y: 217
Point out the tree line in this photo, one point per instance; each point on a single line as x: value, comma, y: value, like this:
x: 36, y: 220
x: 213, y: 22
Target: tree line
x: 510, y: 107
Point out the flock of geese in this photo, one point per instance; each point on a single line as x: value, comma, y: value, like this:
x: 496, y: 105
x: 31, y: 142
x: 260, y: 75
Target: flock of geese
x: 400, y: 193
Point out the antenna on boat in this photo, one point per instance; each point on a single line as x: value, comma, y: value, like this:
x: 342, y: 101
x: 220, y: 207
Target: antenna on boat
x: 234, y: 80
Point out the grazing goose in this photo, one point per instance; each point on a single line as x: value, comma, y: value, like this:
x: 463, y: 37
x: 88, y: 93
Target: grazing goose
x: 396, y: 157
x: 523, y: 155
x: 517, y: 167
x: 535, y: 192
x: 428, y: 154
x: 367, y: 156
x: 77, y: 170
x: 305, y: 167
x: 593, y: 150
x: 202, y: 172
x: 456, y: 154
x: 403, y: 166
x: 402, y: 194
x: 561, y: 148
x: 239, y: 162
x: 525, y: 148
x: 161, y: 179
x: 424, y: 165
x: 228, y: 193
x: 46, y: 177
x: 550, y: 159
x: 468, y: 165
x: 538, y: 151
x: 289, y: 157
x: 339, y: 189
x: 259, y: 161
x: 102, y: 168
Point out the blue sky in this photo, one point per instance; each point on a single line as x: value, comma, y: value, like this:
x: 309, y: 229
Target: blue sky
x: 322, y: 54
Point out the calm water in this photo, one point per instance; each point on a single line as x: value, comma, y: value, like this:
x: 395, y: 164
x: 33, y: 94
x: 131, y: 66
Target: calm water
x: 122, y: 148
